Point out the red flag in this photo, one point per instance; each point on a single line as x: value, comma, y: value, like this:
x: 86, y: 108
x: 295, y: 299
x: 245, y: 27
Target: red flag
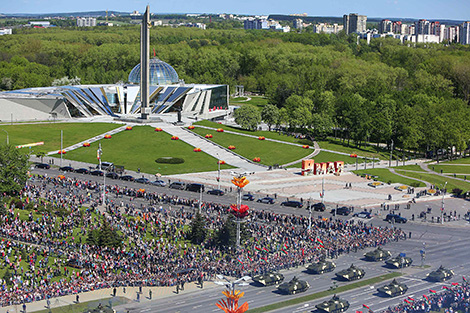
x: 265, y: 249
x: 258, y: 248
x: 455, y: 284
x: 250, y: 258
x: 410, y: 298
x: 302, y: 251
x: 358, y: 311
x: 284, y: 251
x: 407, y: 301
x: 445, y: 287
x: 366, y: 306
x: 432, y: 291
x: 464, y: 279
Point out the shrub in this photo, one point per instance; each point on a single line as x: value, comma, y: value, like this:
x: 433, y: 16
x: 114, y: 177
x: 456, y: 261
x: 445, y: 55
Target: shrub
x: 457, y: 191
x: 170, y: 160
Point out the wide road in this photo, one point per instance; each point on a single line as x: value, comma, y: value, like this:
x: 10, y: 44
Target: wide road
x: 444, y: 245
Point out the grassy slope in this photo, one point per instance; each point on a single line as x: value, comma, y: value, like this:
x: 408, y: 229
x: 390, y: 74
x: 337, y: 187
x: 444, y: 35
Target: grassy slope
x: 269, y: 152
x: 386, y: 176
x: 256, y: 101
x: 438, y: 181
x: 21, y: 134
x: 140, y: 147
x: 450, y: 168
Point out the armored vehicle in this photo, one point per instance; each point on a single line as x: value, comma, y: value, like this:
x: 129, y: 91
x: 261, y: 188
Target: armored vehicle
x: 322, y: 266
x: 440, y: 274
x: 378, y: 254
x: 334, y: 305
x: 399, y: 262
x: 393, y: 289
x: 351, y: 273
x: 294, y: 286
x: 268, y: 279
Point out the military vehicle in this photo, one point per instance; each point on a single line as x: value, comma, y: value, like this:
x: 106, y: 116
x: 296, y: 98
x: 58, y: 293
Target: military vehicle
x: 322, y: 266
x: 351, y: 273
x: 393, y: 289
x: 440, y: 274
x: 334, y: 305
x: 399, y: 262
x: 268, y: 279
x: 294, y: 286
x: 378, y: 254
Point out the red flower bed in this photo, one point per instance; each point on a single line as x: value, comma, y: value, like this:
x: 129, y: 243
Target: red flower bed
x: 197, y: 149
x: 220, y: 130
x: 257, y: 159
x: 86, y: 144
x: 353, y: 155
x: 221, y: 162
x: 129, y: 128
x: 62, y: 152
x: 208, y: 136
x: 261, y: 138
x: 107, y: 136
x: 158, y: 129
x: 231, y: 147
x: 174, y: 138
x: 305, y: 146
x: 191, y: 127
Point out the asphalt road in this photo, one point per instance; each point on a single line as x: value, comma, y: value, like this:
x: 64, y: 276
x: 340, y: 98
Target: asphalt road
x: 444, y: 245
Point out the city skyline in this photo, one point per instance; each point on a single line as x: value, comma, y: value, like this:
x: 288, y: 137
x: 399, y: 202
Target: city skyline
x: 413, y: 9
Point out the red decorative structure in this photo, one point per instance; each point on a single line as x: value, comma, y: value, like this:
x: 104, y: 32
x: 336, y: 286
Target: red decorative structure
x: 257, y: 159
x: 191, y: 127
x: 220, y: 130
x: 261, y: 138
x: 230, y: 305
x: 208, y: 136
x: 174, y: 138
x: 107, y: 136
x: 129, y: 128
x: 241, y: 212
x: 86, y: 144
x: 158, y: 129
x: 197, y: 149
x: 231, y: 147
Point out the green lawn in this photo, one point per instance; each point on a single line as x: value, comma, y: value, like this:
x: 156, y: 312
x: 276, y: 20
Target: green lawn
x: 265, y: 133
x: 465, y: 160
x: 140, y: 147
x: 438, y: 181
x: 21, y: 134
x: 364, y: 151
x: 415, y: 168
x: 384, y: 175
x: 269, y: 152
x: 257, y: 101
x: 450, y: 168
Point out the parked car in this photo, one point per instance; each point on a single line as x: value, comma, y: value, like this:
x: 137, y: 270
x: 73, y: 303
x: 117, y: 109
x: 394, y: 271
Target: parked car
x: 248, y: 197
x: 97, y: 173
x: 127, y: 177
x: 216, y: 192
x: 363, y: 214
x: 82, y: 170
x: 112, y: 175
x: 142, y: 180
x: 267, y: 200
x: 319, y: 207
x: 395, y: 218
x: 177, y: 185
x: 293, y: 204
x: 106, y: 166
x: 159, y: 183
x: 344, y: 210
x: 43, y: 165
x: 66, y: 169
x: 195, y: 187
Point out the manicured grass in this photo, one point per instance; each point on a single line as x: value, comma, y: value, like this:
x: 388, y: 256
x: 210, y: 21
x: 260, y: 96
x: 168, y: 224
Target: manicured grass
x: 265, y: 133
x: 363, y: 151
x: 257, y: 101
x: 269, y: 152
x: 415, y: 168
x: 465, y: 160
x: 85, y: 306
x: 21, y: 134
x: 140, y: 147
x: 318, y: 295
x: 450, y: 168
x: 438, y: 181
x: 384, y: 175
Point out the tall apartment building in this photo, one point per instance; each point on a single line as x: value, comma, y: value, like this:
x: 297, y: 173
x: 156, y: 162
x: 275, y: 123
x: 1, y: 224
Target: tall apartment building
x: 354, y: 23
x: 385, y: 26
x: 465, y: 33
x: 452, y: 34
x: 256, y: 24
x: 298, y: 23
x: 86, y: 21
x: 423, y: 27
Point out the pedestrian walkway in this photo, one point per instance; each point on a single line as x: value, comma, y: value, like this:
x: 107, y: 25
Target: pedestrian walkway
x: 425, y: 167
x: 211, y: 148
x: 428, y: 185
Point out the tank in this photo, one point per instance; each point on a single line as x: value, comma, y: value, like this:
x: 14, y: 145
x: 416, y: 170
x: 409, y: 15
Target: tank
x: 399, y: 262
x: 440, y: 274
x: 322, y: 266
x: 334, y: 305
x: 393, y: 289
x: 294, y: 286
x: 351, y: 273
x: 268, y: 279
x: 378, y: 254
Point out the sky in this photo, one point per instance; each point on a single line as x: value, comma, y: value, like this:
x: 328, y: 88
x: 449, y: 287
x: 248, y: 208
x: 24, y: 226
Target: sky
x: 428, y: 9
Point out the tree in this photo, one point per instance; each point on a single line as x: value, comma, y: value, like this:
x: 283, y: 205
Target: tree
x: 41, y: 155
x: 13, y: 169
x: 270, y: 115
x: 226, y: 236
x: 198, y: 229
x: 247, y: 117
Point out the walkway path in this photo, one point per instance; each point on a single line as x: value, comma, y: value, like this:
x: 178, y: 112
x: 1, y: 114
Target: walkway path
x: 423, y: 181
x: 425, y: 167
x: 211, y: 148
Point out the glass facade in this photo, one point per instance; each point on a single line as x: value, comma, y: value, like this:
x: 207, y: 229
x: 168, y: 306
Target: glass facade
x: 161, y: 73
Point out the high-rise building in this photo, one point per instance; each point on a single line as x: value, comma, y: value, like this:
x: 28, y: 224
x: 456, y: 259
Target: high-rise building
x: 385, y: 26
x: 298, y: 23
x: 451, y: 34
x: 465, y: 33
x: 422, y: 27
x: 256, y: 24
x: 354, y: 23
x: 86, y: 22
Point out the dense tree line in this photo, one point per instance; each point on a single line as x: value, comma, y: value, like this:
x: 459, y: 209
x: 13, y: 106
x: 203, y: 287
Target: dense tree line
x: 417, y: 95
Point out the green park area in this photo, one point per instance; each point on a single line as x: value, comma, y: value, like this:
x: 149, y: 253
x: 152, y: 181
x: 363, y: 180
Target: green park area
x: 257, y: 101
x: 437, y: 180
x: 21, y: 134
x: 384, y: 175
x: 269, y: 152
x: 450, y: 169
x: 141, y: 146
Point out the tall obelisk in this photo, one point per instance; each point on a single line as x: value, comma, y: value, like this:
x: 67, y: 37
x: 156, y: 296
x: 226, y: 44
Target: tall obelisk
x: 144, y: 64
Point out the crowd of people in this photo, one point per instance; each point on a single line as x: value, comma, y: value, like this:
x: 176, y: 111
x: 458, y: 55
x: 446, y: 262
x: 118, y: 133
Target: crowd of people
x: 455, y: 298
x: 48, y: 229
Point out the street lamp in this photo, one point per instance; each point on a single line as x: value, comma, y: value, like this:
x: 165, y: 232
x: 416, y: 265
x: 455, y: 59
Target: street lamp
x: 391, y: 153
x: 442, y: 209
x: 231, y: 284
x: 8, y: 138
x: 99, y: 152
x: 61, y: 146
x: 218, y: 172
x: 125, y: 99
